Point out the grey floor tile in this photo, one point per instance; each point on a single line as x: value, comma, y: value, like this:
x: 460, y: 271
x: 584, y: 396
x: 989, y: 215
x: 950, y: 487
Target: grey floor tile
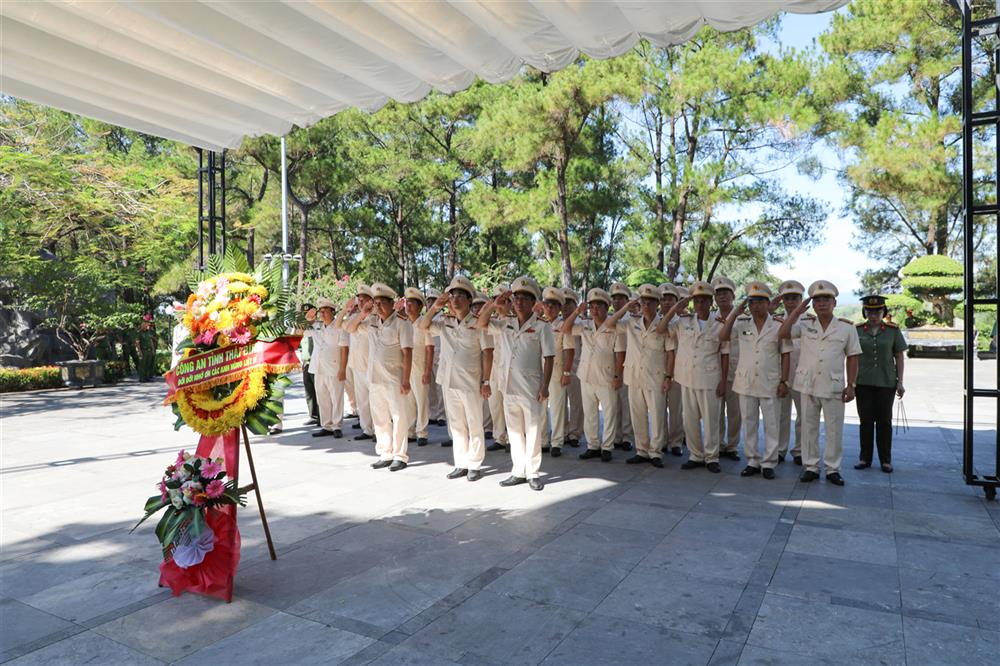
x: 934, y: 643
x: 826, y: 578
x: 948, y: 556
x: 843, y: 544
x: 406, y: 656
x: 496, y: 629
x: 85, y: 648
x: 741, y: 532
x: 609, y: 543
x: 673, y: 601
x: 851, y: 495
x: 612, y: 641
x: 954, y: 527
x: 857, y: 519
x: 784, y: 655
x: 636, y: 516
x: 560, y: 579
x: 281, y: 638
x: 948, y: 504
x: 704, y: 560
x: 23, y: 624
x: 96, y: 593
x: 951, y: 595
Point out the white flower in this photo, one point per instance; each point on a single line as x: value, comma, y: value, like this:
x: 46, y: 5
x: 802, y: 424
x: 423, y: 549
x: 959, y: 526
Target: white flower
x: 214, y: 316
x: 176, y: 499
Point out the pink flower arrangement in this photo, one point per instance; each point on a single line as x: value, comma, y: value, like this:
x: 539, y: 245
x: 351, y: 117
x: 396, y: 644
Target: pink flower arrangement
x: 214, y: 489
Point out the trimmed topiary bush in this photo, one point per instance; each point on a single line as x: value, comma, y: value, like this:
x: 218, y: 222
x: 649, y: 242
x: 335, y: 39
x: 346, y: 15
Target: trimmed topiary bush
x: 645, y: 276
x: 933, y: 278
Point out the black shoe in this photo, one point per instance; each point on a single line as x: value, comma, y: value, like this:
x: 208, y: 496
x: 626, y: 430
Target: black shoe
x: 636, y: 460
x: 556, y: 451
x: 495, y: 446
x: 441, y: 422
x: 421, y: 441
x: 323, y: 433
x: 797, y: 460
x: 397, y: 465
x: 781, y: 459
x: 692, y: 464
x: 676, y: 450
x: 573, y: 442
x: 750, y: 470
x: 546, y: 449
x: 275, y: 429
x: 713, y: 467
x: 513, y: 481
x: 411, y: 439
x: 312, y: 422
x: 605, y: 456
x: 768, y: 473
x: 350, y: 416
x: 446, y: 443
x: 624, y: 446
x: 381, y: 463
x: 337, y: 433
x: 535, y: 484
x: 732, y: 455
x: 590, y: 453
x: 356, y: 426
x: 863, y: 465
x: 835, y: 478
x: 808, y: 477
x: 457, y: 473
x: 488, y: 434
x: 656, y: 462
x: 362, y: 437
x: 474, y: 475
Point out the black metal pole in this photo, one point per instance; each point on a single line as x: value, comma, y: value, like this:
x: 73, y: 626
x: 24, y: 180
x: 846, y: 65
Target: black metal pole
x: 201, y: 210
x: 222, y: 198
x: 211, y: 202
x: 967, y: 203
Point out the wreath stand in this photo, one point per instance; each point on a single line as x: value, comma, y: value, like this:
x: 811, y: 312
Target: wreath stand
x: 255, y: 486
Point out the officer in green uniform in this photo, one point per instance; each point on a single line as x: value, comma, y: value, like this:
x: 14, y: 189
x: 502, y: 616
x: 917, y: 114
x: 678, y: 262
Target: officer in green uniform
x: 880, y: 380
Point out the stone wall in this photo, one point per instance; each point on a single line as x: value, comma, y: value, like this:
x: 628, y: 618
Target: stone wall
x: 24, y: 343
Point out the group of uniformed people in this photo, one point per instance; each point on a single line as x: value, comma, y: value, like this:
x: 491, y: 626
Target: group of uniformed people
x: 535, y: 369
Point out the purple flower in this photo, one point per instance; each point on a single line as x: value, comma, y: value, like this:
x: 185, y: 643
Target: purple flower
x: 210, y: 469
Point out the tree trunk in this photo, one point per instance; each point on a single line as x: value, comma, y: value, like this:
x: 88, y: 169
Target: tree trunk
x: 453, y: 226
x: 401, y: 248
x: 303, y: 246
x: 661, y: 227
x: 563, y: 213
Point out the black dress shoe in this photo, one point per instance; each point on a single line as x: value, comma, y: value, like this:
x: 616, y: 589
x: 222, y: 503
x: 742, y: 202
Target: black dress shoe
x: 863, y: 465
x: 835, y: 478
x: 535, y: 484
x: 590, y: 453
x: 356, y: 426
x: 397, y: 465
x: 446, y: 443
x: 676, y: 450
x: 750, y: 470
x: 656, y: 462
x: 556, y: 451
x: 421, y: 441
x: 474, y: 475
x: 323, y: 433
x: 624, y: 446
x: 362, y: 437
x: 337, y: 433
x: 488, y: 434
x: 350, y: 416
x: 411, y: 439
x: 808, y: 477
x: 546, y: 448
x: 636, y: 460
x: 605, y: 456
x: 692, y: 464
x: 768, y: 473
x: 379, y: 464
x: 781, y: 459
x: 457, y: 473
x: 441, y: 422
x: 513, y: 481
x: 797, y: 460
x: 495, y: 446
x: 732, y: 455
x: 573, y: 442
x: 713, y: 467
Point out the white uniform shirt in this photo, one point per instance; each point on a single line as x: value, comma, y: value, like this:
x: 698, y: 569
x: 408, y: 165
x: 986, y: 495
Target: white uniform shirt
x: 462, y: 343
x: 558, y: 339
x: 421, y: 339
x: 645, y: 353
x: 821, y: 362
x: 759, y: 360
x: 698, y: 363
x: 597, y: 365
x: 523, y: 349
x: 734, y: 352
x: 327, y: 341
x: 793, y: 347
x: 386, y: 341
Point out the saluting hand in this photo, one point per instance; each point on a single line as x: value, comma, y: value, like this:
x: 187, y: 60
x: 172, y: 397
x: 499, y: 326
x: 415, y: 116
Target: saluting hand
x: 440, y: 301
x: 351, y: 304
x: 804, y: 305
x: 399, y: 304
x: 773, y: 305
x: 537, y: 308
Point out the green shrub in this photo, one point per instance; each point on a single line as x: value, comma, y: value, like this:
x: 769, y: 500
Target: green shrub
x: 163, y: 359
x: 114, y: 371
x: 934, y: 264
x: 645, y: 276
x: 29, y: 379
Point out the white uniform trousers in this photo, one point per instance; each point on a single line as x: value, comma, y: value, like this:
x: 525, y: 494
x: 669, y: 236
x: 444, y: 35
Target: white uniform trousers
x: 649, y: 414
x: 523, y: 417
x: 557, y: 411
x: 464, y: 411
x: 751, y: 408
x: 701, y: 406
x: 498, y: 413
x: 487, y: 417
x: 362, y: 400
x: 730, y: 422
x: 330, y: 396
x: 832, y: 409
x: 785, y: 423
x: 349, y: 401
x: 574, y: 415
x: 598, y: 399
x: 624, y: 432
x: 435, y: 399
x: 391, y: 411
x: 675, y: 416
x: 421, y: 405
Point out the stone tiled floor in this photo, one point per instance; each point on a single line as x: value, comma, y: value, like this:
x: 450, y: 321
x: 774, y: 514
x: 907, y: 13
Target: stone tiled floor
x: 610, y: 564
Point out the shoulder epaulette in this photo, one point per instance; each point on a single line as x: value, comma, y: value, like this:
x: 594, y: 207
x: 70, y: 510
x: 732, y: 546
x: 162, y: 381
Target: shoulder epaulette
x: 846, y: 321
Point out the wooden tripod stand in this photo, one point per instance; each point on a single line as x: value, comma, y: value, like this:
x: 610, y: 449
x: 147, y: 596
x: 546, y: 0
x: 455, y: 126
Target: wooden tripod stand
x: 256, y: 489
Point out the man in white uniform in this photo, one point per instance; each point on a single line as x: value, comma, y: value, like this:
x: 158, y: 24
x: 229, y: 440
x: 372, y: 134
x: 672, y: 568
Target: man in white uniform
x: 358, y: 365
x: 435, y: 400
x: 572, y: 348
x: 729, y: 418
x: 675, y: 413
x: 758, y: 375
x: 466, y: 359
x: 423, y: 362
x: 390, y: 340
x: 828, y: 344
x: 501, y: 439
x: 328, y: 364
x: 600, y: 372
x: 478, y: 301
x: 700, y: 367
x: 529, y: 350
x: 624, y: 434
x: 791, y: 293
x: 646, y: 359
x: 552, y: 301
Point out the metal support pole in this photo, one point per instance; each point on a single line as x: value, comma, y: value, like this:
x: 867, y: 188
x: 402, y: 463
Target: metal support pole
x: 201, y: 210
x: 211, y: 202
x: 222, y: 198
x: 284, y: 215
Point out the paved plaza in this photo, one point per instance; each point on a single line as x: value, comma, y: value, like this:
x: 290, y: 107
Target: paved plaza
x: 610, y: 564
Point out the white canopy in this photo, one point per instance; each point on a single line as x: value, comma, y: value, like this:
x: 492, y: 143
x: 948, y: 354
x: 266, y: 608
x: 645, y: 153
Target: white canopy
x: 209, y: 73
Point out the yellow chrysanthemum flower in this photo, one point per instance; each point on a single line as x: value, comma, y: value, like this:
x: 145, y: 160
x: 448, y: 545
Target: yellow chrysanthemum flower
x: 238, y: 287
